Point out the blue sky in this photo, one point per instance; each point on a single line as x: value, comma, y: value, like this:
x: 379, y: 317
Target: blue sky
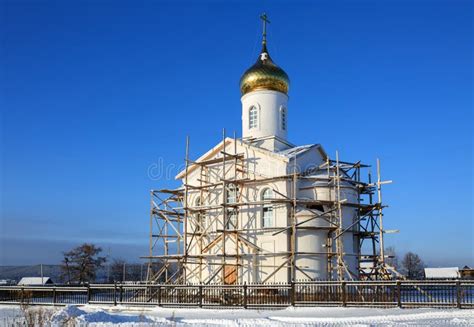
x: 94, y: 93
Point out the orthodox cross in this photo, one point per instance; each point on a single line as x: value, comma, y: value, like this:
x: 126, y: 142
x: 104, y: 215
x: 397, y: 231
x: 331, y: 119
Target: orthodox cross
x: 265, y: 20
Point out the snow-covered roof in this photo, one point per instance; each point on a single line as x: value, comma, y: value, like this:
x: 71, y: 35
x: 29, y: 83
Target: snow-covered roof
x: 297, y: 150
x: 7, y: 282
x: 284, y: 155
x: 215, y: 150
x: 442, y: 273
x: 35, y: 281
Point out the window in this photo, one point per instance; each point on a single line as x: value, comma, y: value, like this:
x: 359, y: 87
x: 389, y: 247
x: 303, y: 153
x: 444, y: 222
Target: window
x: 253, y: 117
x: 231, y: 197
x: 200, y: 217
x: 283, y: 118
x: 267, y: 212
x: 231, y: 219
x: 267, y: 194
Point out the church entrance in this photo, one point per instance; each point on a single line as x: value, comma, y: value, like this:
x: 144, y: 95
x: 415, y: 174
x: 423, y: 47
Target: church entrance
x: 230, y: 274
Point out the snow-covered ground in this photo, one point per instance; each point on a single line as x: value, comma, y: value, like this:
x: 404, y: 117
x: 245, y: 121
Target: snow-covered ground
x: 153, y: 316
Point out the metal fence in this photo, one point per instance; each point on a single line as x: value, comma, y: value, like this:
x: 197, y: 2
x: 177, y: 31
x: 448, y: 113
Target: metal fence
x: 458, y: 294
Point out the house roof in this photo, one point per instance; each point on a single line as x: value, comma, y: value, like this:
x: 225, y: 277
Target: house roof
x: 35, y: 281
x: 284, y: 155
x: 445, y: 272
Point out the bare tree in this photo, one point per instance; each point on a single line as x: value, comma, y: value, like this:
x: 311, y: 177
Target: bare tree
x: 413, y: 266
x: 135, y: 272
x: 120, y: 270
x: 80, y: 264
x: 117, y: 270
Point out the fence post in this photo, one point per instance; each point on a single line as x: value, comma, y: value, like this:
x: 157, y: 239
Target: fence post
x: 115, y: 293
x: 245, y: 295
x: 21, y: 294
x: 121, y: 294
x: 458, y: 294
x: 200, y: 295
x: 54, y: 295
x: 343, y: 293
x: 88, y: 293
x: 159, y: 295
x: 292, y: 293
x: 399, y: 294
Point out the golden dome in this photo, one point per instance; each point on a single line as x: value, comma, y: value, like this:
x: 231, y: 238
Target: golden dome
x: 264, y: 75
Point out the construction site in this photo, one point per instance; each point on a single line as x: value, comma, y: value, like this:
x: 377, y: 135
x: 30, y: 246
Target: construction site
x: 207, y: 230
x: 259, y: 209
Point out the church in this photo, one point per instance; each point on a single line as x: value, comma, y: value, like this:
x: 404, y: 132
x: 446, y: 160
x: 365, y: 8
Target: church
x: 259, y: 209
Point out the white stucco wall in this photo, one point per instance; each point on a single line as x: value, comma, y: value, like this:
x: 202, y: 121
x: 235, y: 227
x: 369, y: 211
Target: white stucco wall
x: 269, y: 105
x: 253, y: 267
x: 256, y: 266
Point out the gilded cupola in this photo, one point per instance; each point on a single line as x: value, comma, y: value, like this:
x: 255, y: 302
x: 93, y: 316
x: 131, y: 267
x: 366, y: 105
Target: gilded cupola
x: 264, y: 74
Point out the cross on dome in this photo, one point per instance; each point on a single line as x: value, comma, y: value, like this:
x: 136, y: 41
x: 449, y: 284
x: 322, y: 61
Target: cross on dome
x: 265, y: 20
x: 264, y: 74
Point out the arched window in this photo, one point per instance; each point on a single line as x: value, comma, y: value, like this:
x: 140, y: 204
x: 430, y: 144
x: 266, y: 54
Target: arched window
x: 283, y: 118
x: 267, y: 212
x: 253, y: 117
x: 200, y: 217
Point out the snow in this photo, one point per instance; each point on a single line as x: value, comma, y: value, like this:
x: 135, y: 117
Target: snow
x: 442, y: 273
x: 127, y: 316
x: 66, y: 313
x: 35, y: 281
x: 292, y: 152
x: 98, y: 315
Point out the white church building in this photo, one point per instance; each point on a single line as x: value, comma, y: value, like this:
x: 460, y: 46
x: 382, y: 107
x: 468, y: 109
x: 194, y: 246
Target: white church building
x: 260, y: 209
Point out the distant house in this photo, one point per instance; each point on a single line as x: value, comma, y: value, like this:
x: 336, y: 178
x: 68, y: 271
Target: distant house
x: 35, y: 281
x: 467, y: 272
x: 442, y: 273
x: 7, y: 282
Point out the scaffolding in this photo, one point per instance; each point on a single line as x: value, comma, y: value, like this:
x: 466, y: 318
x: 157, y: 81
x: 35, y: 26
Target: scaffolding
x: 180, y: 243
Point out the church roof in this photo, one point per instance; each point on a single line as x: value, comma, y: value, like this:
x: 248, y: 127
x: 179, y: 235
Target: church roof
x: 264, y: 74
x: 297, y: 150
x: 215, y: 151
x: 285, y: 155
